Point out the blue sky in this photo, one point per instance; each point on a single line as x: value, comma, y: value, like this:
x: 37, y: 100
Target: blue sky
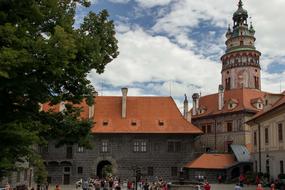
x: 173, y: 47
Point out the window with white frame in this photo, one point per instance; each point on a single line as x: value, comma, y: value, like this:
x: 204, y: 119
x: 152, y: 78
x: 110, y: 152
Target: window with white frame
x: 143, y: 146
x: 136, y: 146
x: 140, y: 146
x: 104, y: 147
x: 80, y: 148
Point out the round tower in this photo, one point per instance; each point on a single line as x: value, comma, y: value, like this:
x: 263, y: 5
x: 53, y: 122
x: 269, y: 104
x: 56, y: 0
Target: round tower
x: 241, y: 67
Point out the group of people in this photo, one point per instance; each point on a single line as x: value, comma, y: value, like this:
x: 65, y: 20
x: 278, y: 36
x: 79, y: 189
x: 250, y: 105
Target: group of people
x: 108, y: 183
x: 114, y: 183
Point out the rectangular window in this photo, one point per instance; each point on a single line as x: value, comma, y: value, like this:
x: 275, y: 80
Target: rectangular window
x: 254, y: 138
x: 80, y: 170
x: 170, y: 146
x: 174, y: 171
x: 266, y: 135
x: 209, y: 127
x: 143, y: 146
x: 136, y: 146
x: 104, y: 147
x: 69, y: 153
x: 281, y: 167
x: 150, y: 171
x: 174, y: 146
x: 66, y: 169
x: 80, y: 149
x: 229, y: 127
x: 280, y: 132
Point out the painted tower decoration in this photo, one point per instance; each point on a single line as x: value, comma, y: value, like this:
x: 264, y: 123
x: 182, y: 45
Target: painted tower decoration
x: 241, y: 67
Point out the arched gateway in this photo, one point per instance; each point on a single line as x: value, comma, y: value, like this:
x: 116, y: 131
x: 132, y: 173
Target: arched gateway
x: 104, y: 168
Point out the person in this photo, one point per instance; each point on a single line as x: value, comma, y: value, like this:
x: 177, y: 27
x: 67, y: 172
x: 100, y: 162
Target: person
x: 220, y: 178
x: 272, y: 186
x: 198, y: 187
x: 85, y: 185
x: 241, y: 180
x: 237, y: 187
x: 7, y: 186
x: 259, y: 187
x: 145, y: 185
x: 257, y: 180
x: 207, y: 186
x: 57, y: 187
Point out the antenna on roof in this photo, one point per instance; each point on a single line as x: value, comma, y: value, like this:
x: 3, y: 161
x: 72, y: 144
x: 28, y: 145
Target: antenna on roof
x: 280, y: 87
x: 170, y: 87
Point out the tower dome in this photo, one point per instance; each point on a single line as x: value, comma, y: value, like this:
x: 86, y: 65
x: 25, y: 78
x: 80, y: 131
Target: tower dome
x: 241, y: 68
x: 240, y: 16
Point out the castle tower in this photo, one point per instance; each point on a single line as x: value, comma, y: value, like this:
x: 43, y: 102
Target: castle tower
x: 241, y: 67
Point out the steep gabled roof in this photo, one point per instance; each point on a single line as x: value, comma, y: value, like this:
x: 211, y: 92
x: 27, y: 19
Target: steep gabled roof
x: 151, y: 115
x: 242, y: 96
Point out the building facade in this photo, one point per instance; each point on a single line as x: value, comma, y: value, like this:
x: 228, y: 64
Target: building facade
x: 268, y: 134
x: 222, y: 116
x: 130, y: 134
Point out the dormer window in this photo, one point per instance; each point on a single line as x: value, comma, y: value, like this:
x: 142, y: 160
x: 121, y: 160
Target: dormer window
x: 232, y: 104
x: 134, y: 123
x: 105, y: 122
x: 161, y: 123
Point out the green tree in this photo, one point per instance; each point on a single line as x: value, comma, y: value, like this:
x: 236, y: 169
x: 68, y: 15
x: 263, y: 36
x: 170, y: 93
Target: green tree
x: 44, y: 58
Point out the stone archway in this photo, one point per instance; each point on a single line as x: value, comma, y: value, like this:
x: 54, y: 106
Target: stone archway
x: 103, y: 168
x: 235, y: 173
x: 101, y: 159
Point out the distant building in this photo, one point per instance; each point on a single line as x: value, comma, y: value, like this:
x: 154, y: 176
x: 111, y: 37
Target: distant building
x: 222, y: 116
x: 268, y: 134
x: 131, y: 134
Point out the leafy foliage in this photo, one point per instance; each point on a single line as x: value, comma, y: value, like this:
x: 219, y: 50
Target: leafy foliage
x: 43, y: 58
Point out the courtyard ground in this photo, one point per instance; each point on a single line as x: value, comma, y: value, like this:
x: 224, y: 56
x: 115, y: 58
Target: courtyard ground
x: 214, y: 187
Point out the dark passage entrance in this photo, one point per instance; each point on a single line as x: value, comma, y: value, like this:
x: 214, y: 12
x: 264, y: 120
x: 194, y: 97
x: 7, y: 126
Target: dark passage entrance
x: 104, y: 168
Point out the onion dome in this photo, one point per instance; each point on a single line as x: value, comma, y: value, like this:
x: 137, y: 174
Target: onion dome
x: 241, y: 14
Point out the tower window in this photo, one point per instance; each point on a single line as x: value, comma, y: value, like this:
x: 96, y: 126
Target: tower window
x: 241, y: 43
x: 256, y: 82
x: 228, y: 83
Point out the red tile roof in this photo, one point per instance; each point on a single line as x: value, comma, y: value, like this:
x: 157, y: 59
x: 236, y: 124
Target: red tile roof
x: 144, y: 115
x: 146, y: 112
x: 243, y: 97
x: 212, y: 161
x: 278, y: 103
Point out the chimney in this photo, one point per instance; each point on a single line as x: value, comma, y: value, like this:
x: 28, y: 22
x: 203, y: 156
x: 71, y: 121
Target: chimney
x: 124, y: 102
x: 195, y: 98
x: 185, y: 106
x: 221, y: 97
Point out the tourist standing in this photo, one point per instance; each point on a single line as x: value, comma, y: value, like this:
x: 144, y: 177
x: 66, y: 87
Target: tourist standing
x: 57, y: 187
x: 207, y: 186
x: 85, y: 185
x: 7, y: 186
x: 259, y: 187
x: 237, y: 187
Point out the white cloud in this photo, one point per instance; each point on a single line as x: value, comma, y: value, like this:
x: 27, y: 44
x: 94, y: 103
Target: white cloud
x: 155, y: 59
x: 152, y: 3
x: 119, y: 1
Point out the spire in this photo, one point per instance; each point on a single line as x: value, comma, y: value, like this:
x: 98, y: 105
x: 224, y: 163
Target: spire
x: 240, y: 4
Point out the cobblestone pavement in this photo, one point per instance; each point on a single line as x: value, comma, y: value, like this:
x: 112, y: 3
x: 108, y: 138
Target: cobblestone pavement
x: 214, y: 187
